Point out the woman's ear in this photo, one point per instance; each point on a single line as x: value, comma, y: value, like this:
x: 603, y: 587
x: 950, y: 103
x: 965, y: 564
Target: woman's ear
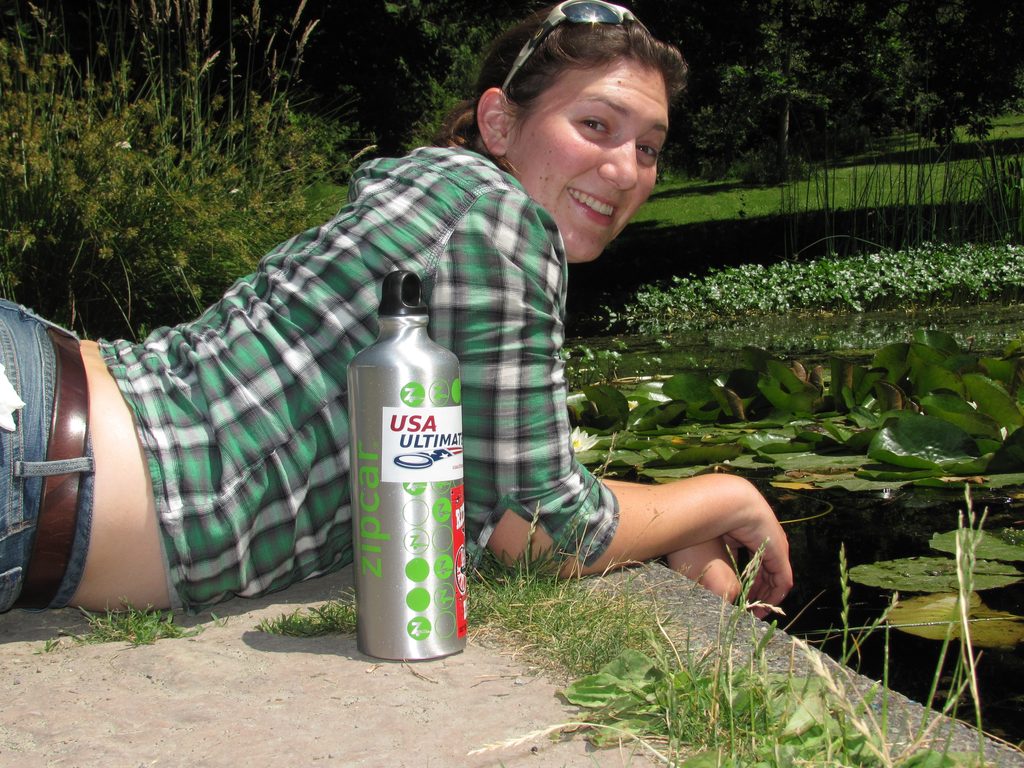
x: 494, y: 120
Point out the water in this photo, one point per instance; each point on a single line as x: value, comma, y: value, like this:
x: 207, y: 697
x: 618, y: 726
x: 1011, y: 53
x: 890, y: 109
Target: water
x: 984, y: 327
x: 871, y: 527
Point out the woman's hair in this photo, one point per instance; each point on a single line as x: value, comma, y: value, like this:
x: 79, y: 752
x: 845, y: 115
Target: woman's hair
x: 567, y: 46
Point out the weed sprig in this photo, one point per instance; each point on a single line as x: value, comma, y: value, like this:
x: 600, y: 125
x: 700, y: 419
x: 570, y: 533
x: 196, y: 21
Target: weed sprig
x: 334, y: 616
x: 135, y: 626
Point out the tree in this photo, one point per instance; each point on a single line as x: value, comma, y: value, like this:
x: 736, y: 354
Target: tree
x: 964, y: 60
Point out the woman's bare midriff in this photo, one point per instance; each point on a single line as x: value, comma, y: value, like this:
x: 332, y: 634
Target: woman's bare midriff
x: 124, y: 565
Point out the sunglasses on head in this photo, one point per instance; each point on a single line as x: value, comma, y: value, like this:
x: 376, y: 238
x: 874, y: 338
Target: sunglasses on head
x: 575, y: 12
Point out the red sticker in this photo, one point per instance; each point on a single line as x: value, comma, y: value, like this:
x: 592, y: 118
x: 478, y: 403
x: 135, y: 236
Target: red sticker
x: 459, y: 548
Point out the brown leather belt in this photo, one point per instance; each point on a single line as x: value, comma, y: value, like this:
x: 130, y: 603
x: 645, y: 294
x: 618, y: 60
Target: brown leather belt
x: 58, y: 509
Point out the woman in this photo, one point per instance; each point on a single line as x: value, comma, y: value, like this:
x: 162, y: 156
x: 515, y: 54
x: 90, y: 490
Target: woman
x: 219, y: 458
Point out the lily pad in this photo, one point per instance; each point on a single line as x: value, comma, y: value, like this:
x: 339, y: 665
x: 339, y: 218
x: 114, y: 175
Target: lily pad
x: 993, y: 399
x: 608, y: 407
x: 652, y: 415
x: 895, y: 474
x: 921, y: 442
x: 893, y: 360
x: 1010, y: 456
x: 930, y: 377
x: 815, y: 463
x: 704, y: 454
x: 858, y: 484
x: 669, y: 475
x: 689, y: 387
x: 958, y: 411
x: 754, y: 441
x: 990, y: 546
x: 937, y: 340
x: 985, y: 480
x: 931, y: 574
x: 933, y: 616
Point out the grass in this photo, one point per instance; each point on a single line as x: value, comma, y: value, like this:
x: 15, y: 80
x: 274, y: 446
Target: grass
x: 142, y: 176
x: 726, y: 705
x: 135, y: 626
x: 901, y: 226
x: 563, y: 624
x: 333, y: 617
x: 866, y: 178
x: 525, y: 606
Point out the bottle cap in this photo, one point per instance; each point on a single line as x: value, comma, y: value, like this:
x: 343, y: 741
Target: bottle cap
x: 400, y: 295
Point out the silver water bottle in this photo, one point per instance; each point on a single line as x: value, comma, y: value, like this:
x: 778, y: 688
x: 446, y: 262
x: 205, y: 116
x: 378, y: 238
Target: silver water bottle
x: 408, y: 507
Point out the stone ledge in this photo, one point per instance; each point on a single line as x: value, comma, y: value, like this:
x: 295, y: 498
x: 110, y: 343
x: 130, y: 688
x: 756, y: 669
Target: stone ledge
x: 700, y: 615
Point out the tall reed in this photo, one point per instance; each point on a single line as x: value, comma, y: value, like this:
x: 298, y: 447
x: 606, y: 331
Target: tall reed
x: 910, y: 195
x: 150, y: 152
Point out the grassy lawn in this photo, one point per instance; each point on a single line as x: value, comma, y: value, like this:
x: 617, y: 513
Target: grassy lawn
x: 900, y: 170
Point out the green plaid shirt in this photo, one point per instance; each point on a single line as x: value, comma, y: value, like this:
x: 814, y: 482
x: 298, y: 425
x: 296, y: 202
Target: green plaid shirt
x: 242, y: 413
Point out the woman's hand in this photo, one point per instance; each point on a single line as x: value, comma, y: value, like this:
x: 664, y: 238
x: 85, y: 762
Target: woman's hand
x: 774, y: 577
x: 697, y: 524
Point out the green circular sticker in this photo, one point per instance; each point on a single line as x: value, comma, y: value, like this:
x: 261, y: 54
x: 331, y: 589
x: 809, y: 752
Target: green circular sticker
x: 440, y: 393
x: 418, y: 599
x: 443, y: 510
x: 457, y: 391
x: 414, y: 489
x: 417, y: 569
x: 444, y: 597
x: 444, y: 566
x: 412, y: 394
x: 418, y: 628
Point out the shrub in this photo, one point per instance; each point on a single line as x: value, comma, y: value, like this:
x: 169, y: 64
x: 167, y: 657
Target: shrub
x: 885, y: 280
x: 139, y: 177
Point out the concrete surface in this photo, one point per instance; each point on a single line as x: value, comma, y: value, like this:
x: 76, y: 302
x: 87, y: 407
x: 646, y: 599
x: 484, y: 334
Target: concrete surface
x: 235, y: 696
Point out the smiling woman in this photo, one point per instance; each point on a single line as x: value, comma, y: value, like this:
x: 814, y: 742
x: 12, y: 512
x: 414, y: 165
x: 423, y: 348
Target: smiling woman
x: 217, y: 459
x: 588, y: 153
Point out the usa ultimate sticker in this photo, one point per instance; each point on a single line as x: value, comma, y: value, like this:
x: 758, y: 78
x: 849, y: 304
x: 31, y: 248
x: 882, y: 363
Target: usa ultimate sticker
x: 421, y: 445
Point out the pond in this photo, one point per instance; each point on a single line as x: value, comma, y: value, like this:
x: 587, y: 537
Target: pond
x: 878, y: 524
x: 719, y: 346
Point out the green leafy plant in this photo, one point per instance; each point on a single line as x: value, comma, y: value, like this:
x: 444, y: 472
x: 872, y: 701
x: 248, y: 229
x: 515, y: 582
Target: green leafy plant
x: 926, y: 412
x: 726, y: 707
x: 920, y: 276
x: 140, y: 176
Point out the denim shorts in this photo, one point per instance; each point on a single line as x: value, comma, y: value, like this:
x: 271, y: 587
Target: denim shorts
x: 29, y: 361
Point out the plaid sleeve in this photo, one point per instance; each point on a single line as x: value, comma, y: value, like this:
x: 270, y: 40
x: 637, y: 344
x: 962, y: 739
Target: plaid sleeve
x: 498, y: 302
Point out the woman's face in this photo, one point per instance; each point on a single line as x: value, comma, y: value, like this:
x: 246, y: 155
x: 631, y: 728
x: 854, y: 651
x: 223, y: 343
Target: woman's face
x: 588, y: 151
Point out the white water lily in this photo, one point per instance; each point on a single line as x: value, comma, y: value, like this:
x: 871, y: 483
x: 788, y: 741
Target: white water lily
x: 9, y: 402
x: 581, y: 441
